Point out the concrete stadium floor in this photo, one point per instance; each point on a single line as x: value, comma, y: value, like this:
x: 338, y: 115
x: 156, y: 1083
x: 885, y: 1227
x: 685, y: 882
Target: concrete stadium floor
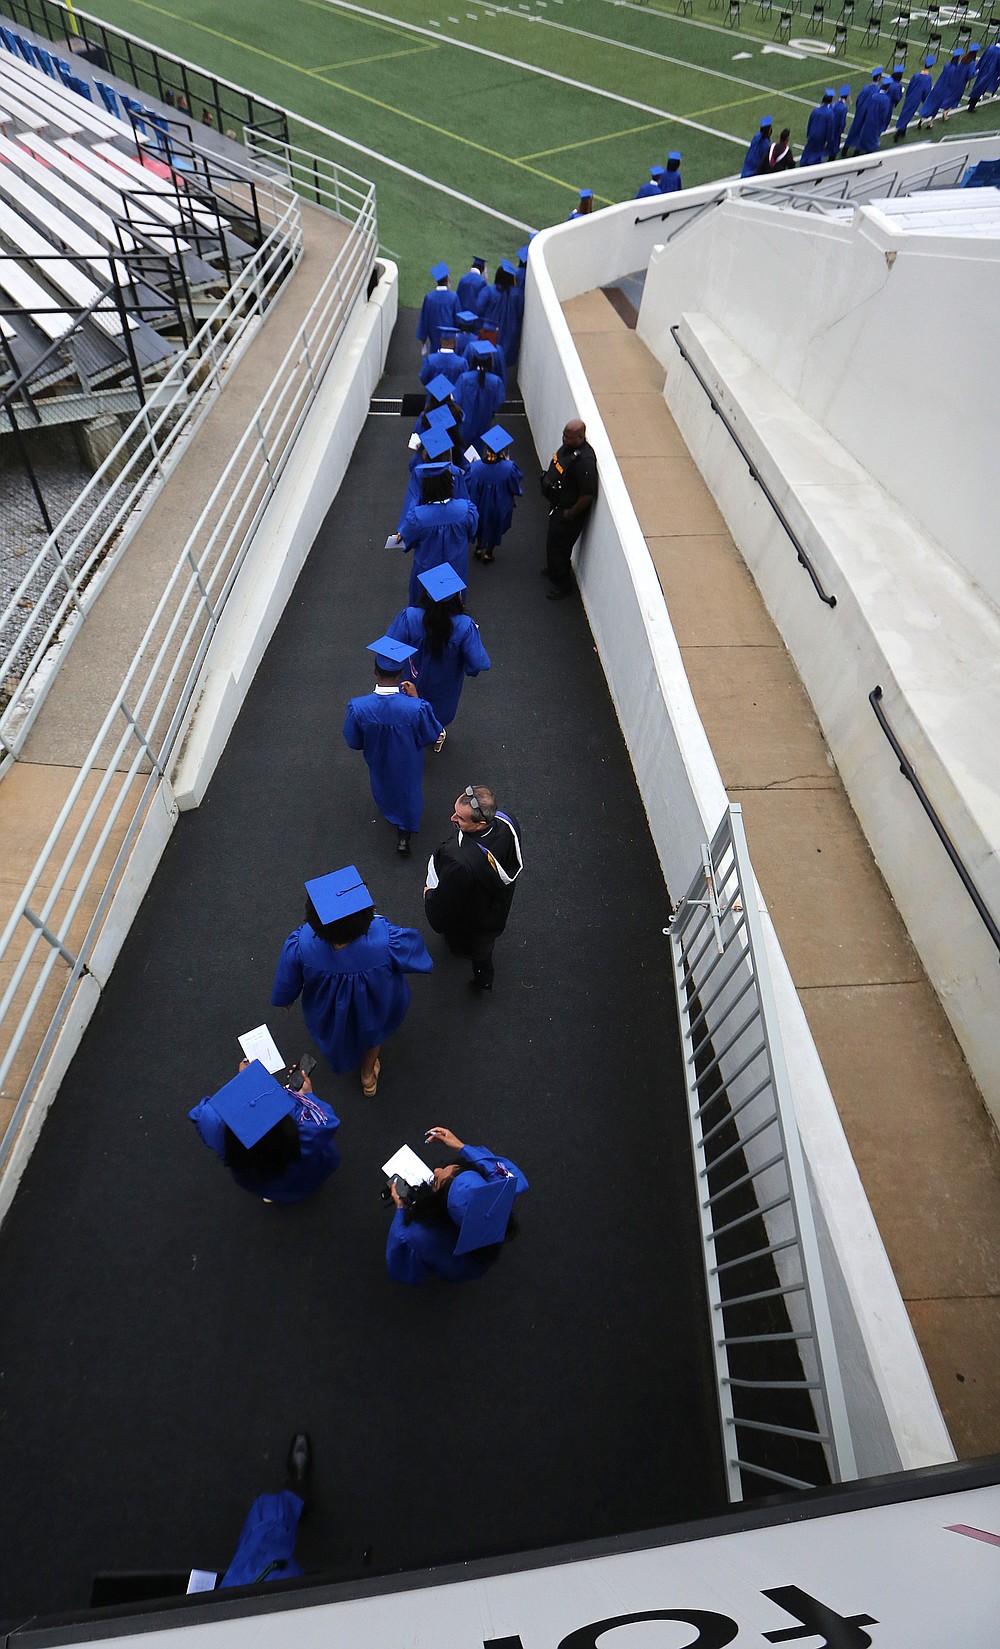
x: 164, y: 1333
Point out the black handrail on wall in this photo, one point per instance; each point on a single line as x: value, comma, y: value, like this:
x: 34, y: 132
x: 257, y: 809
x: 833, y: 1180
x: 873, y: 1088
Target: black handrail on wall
x: 804, y: 561
x: 909, y: 772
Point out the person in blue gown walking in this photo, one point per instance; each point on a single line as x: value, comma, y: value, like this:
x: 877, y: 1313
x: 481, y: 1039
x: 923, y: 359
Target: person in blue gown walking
x: 445, y: 361
x: 439, y: 528
x: 987, y: 76
x: 393, y: 727
x: 437, y: 310
x: 277, y: 1144
x: 501, y: 304
x: 349, y: 965
x: 480, y: 393
x: 470, y: 284
x: 467, y: 321
x: 670, y: 182
x: 874, y: 119
x: 436, y: 450
x: 966, y: 70
x: 916, y: 91
x: 818, y: 131
x: 942, y: 89
x: 867, y: 91
x: 265, y: 1551
x: 488, y: 335
x: 645, y: 190
x: 760, y: 143
x: 522, y: 262
x: 838, y: 120
x: 494, y: 482
x: 446, y: 639
x: 457, y: 1231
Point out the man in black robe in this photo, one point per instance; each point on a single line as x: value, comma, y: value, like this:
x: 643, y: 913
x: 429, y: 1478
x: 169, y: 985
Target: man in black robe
x: 471, y: 879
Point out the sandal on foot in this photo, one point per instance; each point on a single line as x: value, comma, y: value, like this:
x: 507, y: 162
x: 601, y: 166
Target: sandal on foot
x: 370, y: 1091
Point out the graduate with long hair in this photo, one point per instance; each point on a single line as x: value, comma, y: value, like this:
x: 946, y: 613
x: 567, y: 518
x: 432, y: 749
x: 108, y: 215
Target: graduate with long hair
x: 446, y: 639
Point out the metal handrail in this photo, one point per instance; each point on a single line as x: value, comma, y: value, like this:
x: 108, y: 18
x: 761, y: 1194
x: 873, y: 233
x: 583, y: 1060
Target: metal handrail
x: 154, y: 698
x: 909, y: 773
x: 145, y: 453
x: 738, y: 1085
x: 803, y: 558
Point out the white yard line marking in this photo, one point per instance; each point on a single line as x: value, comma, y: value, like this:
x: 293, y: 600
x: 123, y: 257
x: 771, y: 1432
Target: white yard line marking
x: 713, y: 28
x: 408, y: 171
x: 545, y: 74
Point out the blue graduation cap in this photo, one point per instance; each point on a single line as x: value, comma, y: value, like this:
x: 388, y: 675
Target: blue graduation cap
x: 674, y: 154
x: 479, y: 263
x: 899, y: 68
x: 586, y: 194
x: 768, y: 120
x: 253, y: 1103
x: 467, y: 319
x: 440, y: 388
x: 522, y: 252
x: 829, y: 92
x: 974, y: 48
x: 441, y: 583
x: 430, y: 469
x: 341, y: 892
x: 447, y: 332
x: 507, y: 266
x: 656, y: 171
x: 482, y: 1209
x: 436, y: 441
x: 480, y: 351
x: 845, y: 91
x: 956, y: 53
x: 389, y: 655
x: 497, y: 440
x: 876, y: 74
x: 440, y: 272
x: 929, y: 62
x: 441, y: 417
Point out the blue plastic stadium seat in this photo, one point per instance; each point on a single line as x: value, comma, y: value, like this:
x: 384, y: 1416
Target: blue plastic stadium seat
x: 24, y: 47
x: 44, y: 61
x: 108, y: 98
x: 137, y: 110
x: 8, y: 40
x: 985, y: 175
x: 81, y: 87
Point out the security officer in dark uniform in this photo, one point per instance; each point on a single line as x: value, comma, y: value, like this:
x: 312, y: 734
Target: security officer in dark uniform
x: 570, y: 485
x: 471, y: 879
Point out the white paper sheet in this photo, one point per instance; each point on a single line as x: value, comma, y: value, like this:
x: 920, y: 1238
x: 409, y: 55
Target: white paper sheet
x: 432, y: 875
x: 392, y: 542
x: 471, y: 455
x: 201, y: 1580
x: 414, y: 442
x: 260, y: 1044
x: 408, y: 1166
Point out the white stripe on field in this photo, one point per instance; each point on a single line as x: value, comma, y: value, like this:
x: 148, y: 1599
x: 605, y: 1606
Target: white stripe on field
x: 546, y: 74
x: 408, y: 171
x: 731, y: 34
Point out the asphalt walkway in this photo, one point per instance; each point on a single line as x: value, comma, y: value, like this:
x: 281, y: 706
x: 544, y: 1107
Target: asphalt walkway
x: 164, y: 1333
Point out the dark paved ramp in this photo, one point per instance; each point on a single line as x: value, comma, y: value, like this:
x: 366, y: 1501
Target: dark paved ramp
x: 164, y: 1334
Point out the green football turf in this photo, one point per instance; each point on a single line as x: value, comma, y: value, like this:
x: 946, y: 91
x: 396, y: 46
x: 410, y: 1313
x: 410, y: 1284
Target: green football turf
x: 399, y: 78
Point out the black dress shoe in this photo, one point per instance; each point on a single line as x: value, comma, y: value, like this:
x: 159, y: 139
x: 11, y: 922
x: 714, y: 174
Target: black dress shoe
x: 299, y: 1460
x: 560, y: 592
x: 479, y: 986
x: 403, y: 844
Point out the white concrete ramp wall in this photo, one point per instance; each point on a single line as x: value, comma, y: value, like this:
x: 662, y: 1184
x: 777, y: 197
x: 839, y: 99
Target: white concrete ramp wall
x: 894, y: 1414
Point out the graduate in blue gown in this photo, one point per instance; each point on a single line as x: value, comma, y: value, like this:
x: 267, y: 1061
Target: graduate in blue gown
x: 437, y: 310
x: 266, y: 1548
x: 278, y: 1145
x: 470, y: 284
x: 393, y: 727
x: 522, y: 263
x: 942, y: 89
x: 349, y: 966
x: 917, y: 90
x: 966, y: 70
x: 874, y: 119
x: 438, y: 529
x: 838, y: 120
x: 584, y: 206
x: 467, y: 321
x: 645, y: 190
x: 501, y: 305
x: 456, y: 1232
x: 867, y: 91
x: 818, y: 131
x: 436, y: 449
x: 448, y: 647
x: 488, y: 335
x: 670, y: 182
x: 446, y: 361
x: 494, y: 482
x: 756, y: 155
x: 987, y: 76
x: 480, y: 393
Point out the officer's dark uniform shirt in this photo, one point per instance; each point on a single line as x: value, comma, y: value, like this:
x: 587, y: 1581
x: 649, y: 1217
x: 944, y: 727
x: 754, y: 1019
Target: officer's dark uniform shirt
x: 472, y: 898
x: 572, y: 472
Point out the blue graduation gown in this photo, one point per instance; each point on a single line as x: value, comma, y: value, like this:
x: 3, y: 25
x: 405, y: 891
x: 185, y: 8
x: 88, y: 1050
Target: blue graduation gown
x: 437, y: 533
x: 503, y: 307
x: 480, y: 403
x: 838, y: 120
x: 963, y: 74
x: 670, y: 182
x: 755, y: 155
x: 438, y: 309
x: 987, y: 74
x: 866, y: 93
x: 647, y: 189
x: 939, y: 94
x: 873, y: 123
x: 916, y: 91
x: 354, y: 998
x: 817, y: 135
x: 439, y: 680
x: 469, y: 288
x: 414, y: 1251
x: 393, y: 730
x: 493, y: 488
x: 448, y: 361
x: 318, y: 1157
x: 268, y: 1536
x: 459, y: 488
